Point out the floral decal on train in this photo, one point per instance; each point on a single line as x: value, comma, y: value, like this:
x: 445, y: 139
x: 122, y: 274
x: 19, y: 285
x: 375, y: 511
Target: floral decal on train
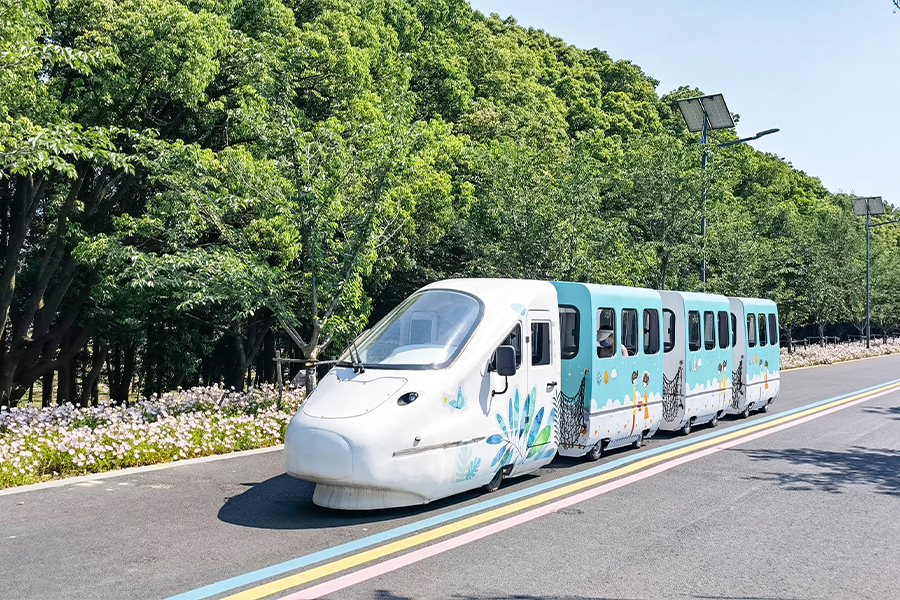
x: 466, y: 466
x: 454, y: 401
x: 523, y: 435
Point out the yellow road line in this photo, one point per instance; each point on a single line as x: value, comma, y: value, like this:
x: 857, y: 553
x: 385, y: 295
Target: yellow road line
x: 418, y: 539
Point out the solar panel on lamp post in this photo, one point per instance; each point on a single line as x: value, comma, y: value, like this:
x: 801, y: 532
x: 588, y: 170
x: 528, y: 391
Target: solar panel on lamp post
x: 703, y: 113
x: 872, y: 205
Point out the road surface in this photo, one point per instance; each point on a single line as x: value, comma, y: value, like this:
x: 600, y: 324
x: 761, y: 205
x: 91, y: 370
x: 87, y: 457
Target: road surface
x: 794, y: 504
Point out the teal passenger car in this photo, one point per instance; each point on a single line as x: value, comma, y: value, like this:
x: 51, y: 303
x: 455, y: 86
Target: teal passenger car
x: 612, y: 366
x: 697, y: 349
x: 756, y: 355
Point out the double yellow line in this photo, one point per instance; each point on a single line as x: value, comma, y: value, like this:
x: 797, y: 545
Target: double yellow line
x: 361, y: 558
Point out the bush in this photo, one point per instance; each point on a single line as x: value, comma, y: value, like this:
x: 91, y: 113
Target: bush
x: 64, y: 440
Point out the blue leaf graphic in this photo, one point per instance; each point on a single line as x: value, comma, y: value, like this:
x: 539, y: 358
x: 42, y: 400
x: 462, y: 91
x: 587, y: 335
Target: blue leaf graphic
x: 499, y: 454
x: 512, y: 426
x: 473, y: 468
x: 536, y: 426
x: 502, y: 424
x: 495, y: 439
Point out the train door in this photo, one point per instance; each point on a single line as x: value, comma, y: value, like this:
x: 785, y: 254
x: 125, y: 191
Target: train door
x: 542, y: 360
x: 631, y: 364
x: 674, y: 361
x: 737, y: 398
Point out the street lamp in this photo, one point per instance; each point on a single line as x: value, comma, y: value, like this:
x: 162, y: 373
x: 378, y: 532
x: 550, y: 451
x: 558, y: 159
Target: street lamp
x: 872, y: 205
x: 703, y: 113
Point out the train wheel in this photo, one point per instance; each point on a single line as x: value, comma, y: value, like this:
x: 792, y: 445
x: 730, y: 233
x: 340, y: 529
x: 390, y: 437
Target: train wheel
x: 638, y: 442
x: 746, y: 412
x: 764, y: 408
x: 595, y: 452
x: 714, y: 421
x: 686, y: 429
x: 494, y: 484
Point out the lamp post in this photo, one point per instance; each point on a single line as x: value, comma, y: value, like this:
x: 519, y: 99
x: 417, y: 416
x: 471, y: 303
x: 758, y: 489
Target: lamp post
x: 868, y: 206
x: 703, y: 113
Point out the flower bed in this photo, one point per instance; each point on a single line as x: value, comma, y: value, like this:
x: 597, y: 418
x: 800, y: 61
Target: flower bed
x: 65, y: 440
x: 818, y: 355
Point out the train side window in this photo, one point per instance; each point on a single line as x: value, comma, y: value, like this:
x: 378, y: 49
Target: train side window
x: 751, y: 330
x: 514, y: 339
x: 651, y: 331
x: 693, y: 330
x: 629, y: 331
x: 669, y: 323
x: 773, y: 330
x: 606, y: 332
x: 569, y: 327
x: 709, y: 330
x: 733, y: 330
x: 763, y: 338
x: 540, y: 343
x: 723, y: 330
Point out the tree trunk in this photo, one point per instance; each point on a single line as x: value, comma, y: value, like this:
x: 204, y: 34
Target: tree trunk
x: 89, y: 382
x: 62, y: 383
x: 47, y: 389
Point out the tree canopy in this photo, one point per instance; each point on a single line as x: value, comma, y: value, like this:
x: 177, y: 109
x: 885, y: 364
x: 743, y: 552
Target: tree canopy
x: 188, y: 185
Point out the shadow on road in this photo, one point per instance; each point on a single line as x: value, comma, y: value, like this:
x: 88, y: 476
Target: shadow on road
x: 891, y: 411
x: 834, y: 471
x: 283, y: 502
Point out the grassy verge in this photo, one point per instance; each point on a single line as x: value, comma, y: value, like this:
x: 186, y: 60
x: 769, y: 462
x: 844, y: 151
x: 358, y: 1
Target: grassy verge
x: 65, y: 440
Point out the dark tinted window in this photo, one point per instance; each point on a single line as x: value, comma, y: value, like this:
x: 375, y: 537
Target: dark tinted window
x: 514, y: 339
x: 606, y: 323
x: 630, y: 330
x: 669, y: 326
x: 651, y: 331
x: 724, y: 341
x: 733, y: 329
x: 709, y: 330
x: 694, y: 330
x: 751, y: 331
x: 540, y: 343
x: 763, y: 338
x: 569, y: 326
x: 773, y: 330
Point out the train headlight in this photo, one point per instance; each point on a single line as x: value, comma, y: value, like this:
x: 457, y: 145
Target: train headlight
x: 407, y: 398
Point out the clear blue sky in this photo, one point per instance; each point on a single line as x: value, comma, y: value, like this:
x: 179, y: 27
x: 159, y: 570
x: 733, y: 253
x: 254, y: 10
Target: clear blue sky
x: 823, y: 71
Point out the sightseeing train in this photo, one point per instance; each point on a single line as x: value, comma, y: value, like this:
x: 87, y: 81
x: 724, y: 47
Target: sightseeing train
x: 470, y: 381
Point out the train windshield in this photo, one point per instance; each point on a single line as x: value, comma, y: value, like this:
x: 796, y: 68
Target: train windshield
x: 426, y: 331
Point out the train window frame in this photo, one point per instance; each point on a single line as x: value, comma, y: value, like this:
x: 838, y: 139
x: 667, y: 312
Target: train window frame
x: 724, y: 331
x: 694, y: 320
x: 709, y: 330
x: 669, y: 341
x: 569, y: 310
x: 651, y: 331
x: 612, y: 325
x: 632, y: 334
x: 751, y: 330
x: 733, y: 330
x: 763, y: 332
x: 541, y: 340
x: 773, y: 329
x: 514, y: 339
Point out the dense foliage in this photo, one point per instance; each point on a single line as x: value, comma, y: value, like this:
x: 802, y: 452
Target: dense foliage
x: 188, y: 185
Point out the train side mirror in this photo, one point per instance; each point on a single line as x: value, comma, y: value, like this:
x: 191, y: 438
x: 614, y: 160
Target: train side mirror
x: 506, y: 361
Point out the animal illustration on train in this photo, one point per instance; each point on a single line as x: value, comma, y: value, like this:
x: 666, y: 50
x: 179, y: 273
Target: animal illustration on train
x: 470, y: 381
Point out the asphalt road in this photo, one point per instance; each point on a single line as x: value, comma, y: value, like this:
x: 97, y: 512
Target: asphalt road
x: 808, y: 512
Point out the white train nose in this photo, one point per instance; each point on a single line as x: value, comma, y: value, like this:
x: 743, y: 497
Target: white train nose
x: 317, y: 455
